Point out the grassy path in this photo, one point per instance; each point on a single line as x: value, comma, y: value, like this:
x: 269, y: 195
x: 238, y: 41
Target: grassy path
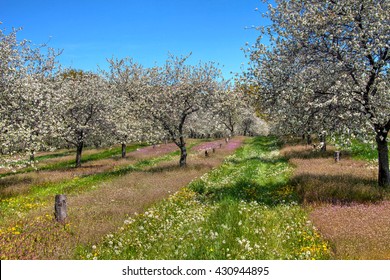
x: 244, y: 209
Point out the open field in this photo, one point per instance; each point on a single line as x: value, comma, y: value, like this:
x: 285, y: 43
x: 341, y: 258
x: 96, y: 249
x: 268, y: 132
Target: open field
x: 260, y: 200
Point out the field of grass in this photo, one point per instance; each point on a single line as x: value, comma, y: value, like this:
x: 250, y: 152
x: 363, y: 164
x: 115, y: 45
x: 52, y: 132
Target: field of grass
x: 345, y: 202
x: 263, y: 200
x: 241, y: 210
x: 99, y: 201
x: 38, y: 195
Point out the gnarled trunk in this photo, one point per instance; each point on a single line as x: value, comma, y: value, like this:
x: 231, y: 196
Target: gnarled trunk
x: 32, y: 156
x: 183, y: 156
x: 183, y: 152
x: 79, y: 150
x: 79, y: 146
x: 309, y: 141
x: 323, y: 142
x: 383, y: 159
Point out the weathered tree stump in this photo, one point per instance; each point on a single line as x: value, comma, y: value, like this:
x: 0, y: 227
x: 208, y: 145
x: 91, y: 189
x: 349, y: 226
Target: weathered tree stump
x: 60, y: 208
x: 337, y: 156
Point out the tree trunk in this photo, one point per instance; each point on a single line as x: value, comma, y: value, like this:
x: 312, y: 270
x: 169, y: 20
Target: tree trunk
x: 309, y: 141
x: 323, y: 141
x: 183, y: 153
x: 383, y: 159
x: 78, y: 153
x: 32, y: 156
x: 80, y: 146
x: 123, y: 150
x: 232, y: 131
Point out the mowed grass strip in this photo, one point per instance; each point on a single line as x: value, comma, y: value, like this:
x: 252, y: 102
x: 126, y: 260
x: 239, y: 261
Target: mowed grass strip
x: 244, y: 209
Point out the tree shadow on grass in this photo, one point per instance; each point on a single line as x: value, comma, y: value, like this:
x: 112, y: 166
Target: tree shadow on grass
x: 311, y: 154
x: 164, y: 168
x: 303, y: 189
x: 176, y: 167
x: 270, y: 194
x: 267, y: 143
x: 10, y: 181
x: 267, y: 160
x: 336, y: 189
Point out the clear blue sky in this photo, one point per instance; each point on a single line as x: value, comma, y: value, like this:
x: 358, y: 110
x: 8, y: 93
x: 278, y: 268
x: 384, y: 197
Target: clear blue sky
x: 146, y: 30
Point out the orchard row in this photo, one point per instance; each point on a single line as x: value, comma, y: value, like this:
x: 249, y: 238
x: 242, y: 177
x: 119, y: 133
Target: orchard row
x: 44, y: 106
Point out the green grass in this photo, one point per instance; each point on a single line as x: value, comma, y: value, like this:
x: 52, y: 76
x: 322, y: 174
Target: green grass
x: 254, y: 173
x: 106, y: 153
x: 242, y: 210
x: 38, y: 195
x: 363, y: 151
x: 54, y: 155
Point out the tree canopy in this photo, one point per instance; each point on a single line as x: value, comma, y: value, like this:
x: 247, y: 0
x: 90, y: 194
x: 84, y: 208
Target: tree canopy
x: 327, y: 68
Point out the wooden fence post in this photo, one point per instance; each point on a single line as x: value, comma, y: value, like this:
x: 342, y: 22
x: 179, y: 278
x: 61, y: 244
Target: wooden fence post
x: 60, y: 208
